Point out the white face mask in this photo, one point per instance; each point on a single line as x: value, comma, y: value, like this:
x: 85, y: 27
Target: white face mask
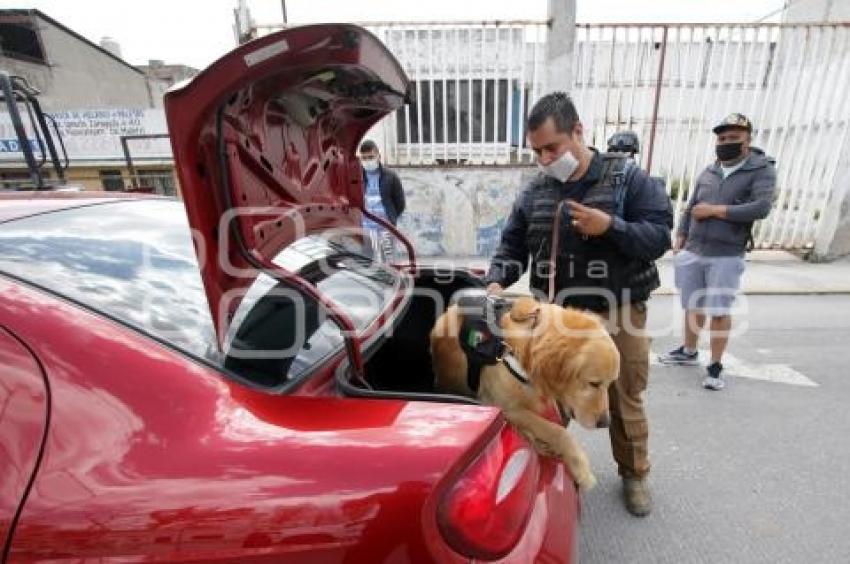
x: 561, y: 168
x: 370, y: 165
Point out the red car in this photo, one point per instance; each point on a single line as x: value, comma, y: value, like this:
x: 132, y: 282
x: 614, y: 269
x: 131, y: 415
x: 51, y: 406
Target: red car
x: 248, y: 385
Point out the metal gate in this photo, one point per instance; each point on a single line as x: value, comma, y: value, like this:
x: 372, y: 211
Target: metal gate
x: 672, y: 83
x: 474, y: 83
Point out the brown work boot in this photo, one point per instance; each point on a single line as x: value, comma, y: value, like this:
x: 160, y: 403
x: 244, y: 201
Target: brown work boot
x: 636, y: 496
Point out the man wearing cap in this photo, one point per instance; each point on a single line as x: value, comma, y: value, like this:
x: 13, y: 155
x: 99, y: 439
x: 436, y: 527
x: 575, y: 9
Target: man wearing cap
x: 713, y: 235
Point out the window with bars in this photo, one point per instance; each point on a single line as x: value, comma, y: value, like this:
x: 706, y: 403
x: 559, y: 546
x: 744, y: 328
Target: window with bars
x: 455, y: 119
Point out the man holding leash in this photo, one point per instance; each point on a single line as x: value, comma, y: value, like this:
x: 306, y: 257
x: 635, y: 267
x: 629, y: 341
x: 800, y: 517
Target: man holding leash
x: 590, y: 227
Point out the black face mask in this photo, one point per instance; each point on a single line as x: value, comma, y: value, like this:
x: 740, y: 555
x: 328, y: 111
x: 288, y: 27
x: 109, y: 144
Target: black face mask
x: 729, y: 151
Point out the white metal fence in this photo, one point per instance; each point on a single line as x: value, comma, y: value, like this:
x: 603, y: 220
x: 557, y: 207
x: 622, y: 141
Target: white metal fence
x: 669, y: 83
x: 679, y: 80
x: 473, y: 82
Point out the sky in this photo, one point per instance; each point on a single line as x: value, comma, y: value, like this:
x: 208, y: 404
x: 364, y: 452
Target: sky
x: 197, y: 32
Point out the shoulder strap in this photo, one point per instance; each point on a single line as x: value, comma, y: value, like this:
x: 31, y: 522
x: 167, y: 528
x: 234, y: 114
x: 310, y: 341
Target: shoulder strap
x: 617, y: 167
x: 621, y: 166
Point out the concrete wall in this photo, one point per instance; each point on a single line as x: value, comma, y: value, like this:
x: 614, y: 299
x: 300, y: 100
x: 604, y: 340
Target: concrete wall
x: 79, y: 75
x: 88, y: 177
x: 459, y: 211
x: 833, y: 238
x: 840, y: 245
x: 817, y: 11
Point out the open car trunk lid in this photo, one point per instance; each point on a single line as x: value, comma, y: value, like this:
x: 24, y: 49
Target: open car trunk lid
x: 265, y: 146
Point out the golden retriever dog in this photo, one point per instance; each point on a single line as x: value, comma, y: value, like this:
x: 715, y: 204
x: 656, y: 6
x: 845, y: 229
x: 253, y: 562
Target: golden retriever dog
x: 568, y: 357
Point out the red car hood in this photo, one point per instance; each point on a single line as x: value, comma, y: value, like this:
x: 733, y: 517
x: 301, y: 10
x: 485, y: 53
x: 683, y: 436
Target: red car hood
x: 265, y: 146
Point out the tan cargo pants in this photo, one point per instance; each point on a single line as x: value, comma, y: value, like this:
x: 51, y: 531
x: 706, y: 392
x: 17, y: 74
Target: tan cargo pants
x: 629, y: 428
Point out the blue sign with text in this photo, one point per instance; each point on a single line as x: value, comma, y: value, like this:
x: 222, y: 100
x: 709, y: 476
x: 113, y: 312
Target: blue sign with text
x: 14, y: 146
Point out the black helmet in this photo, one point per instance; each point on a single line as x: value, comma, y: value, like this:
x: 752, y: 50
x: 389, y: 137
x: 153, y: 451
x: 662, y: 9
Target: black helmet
x: 624, y: 142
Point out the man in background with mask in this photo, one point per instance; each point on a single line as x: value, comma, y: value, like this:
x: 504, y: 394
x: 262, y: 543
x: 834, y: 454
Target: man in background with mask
x: 713, y: 235
x: 384, y: 197
x: 590, y: 228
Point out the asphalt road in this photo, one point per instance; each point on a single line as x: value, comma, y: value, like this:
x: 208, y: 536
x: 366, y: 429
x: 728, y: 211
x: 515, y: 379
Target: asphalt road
x: 759, y: 472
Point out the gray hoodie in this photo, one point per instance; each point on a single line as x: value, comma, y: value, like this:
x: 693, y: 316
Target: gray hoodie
x: 747, y: 194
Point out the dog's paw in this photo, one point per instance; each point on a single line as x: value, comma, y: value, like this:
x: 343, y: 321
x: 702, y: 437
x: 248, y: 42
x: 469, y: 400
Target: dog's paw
x: 586, y: 480
x: 544, y: 448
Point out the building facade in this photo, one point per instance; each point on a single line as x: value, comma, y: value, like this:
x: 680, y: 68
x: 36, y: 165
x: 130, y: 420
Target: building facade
x: 95, y: 96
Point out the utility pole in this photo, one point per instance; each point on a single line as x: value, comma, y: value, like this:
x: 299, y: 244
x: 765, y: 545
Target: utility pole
x: 243, y: 25
x: 560, y: 44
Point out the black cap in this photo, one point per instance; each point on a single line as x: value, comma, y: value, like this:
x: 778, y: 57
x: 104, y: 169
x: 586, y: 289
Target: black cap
x: 734, y: 120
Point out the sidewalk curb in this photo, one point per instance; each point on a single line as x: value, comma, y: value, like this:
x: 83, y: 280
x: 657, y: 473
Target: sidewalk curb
x: 770, y: 273
x: 777, y: 292
x: 772, y: 292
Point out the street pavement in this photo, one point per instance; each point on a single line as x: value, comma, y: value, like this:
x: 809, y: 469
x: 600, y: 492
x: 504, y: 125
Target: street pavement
x: 759, y: 472
x: 756, y: 473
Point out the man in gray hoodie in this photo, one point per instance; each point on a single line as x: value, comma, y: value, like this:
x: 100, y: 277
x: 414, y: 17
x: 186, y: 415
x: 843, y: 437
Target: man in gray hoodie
x: 713, y: 235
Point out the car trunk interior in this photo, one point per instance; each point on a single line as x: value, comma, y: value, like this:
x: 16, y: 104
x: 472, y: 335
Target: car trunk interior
x: 401, y: 365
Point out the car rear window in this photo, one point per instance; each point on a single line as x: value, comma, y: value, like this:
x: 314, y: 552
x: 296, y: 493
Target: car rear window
x: 134, y: 261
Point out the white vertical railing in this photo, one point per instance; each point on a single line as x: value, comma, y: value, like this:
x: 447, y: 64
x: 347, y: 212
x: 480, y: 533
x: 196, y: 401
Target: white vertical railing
x: 457, y: 95
x: 483, y: 103
x: 511, y: 74
x: 792, y: 81
x: 458, y: 70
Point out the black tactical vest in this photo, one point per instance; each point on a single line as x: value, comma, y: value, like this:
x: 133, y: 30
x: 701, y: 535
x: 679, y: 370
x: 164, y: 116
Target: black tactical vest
x: 584, y: 264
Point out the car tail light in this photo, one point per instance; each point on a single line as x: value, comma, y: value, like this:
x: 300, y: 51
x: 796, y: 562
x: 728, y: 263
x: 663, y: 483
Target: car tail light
x: 485, y: 512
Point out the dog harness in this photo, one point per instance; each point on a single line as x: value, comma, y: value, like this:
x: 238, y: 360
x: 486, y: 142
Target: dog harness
x: 481, y: 340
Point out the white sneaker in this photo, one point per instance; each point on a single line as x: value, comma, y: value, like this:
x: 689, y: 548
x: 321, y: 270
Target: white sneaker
x: 714, y: 379
x: 715, y: 384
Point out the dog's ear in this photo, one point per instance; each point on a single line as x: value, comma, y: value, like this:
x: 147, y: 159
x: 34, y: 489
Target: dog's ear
x: 553, y: 369
x: 525, y: 309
